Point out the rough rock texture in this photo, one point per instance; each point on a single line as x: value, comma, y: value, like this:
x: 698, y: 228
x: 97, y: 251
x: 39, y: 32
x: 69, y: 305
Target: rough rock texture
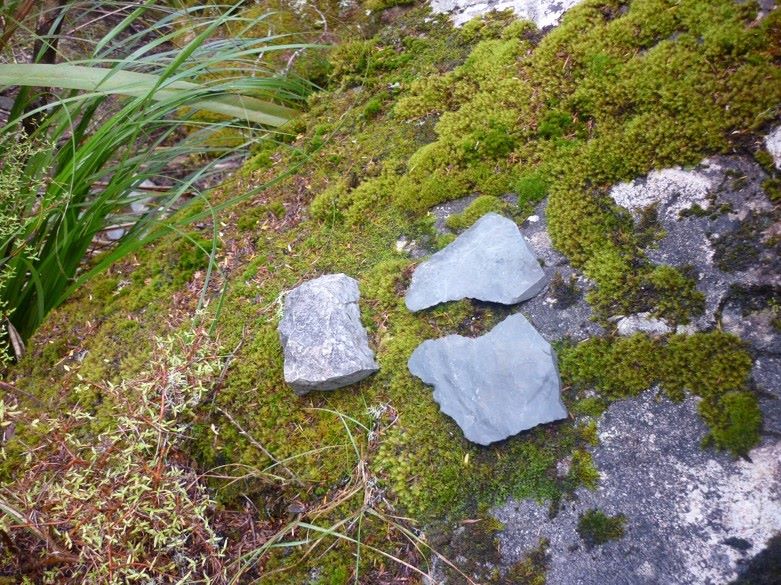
x: 496, y: 385
x: 718, y: 222
x: 490, y: 262
x: 773, y: 145
x: 561, y: 310
x: 324, y: 342
x: 542, y: 12
x: 693, y: 516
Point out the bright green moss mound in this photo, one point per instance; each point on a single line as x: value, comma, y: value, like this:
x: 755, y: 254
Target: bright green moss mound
x: 477, y: 209
x: 714, y: 366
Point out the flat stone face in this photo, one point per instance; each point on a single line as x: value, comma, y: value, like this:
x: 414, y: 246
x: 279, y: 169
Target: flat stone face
x: 493, y: 386
x: 489, y: 262
x: 694, y: 516
x: 324, y: 342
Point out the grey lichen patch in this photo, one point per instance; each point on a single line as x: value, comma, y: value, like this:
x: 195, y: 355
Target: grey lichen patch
x: 542, y: 12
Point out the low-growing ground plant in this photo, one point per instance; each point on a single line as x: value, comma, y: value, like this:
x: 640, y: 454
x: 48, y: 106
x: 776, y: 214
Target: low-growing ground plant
x: 89, y: 128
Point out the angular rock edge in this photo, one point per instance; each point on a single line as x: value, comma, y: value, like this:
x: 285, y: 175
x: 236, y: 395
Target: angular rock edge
x: 325, y: 345
x: 493, y: 386
x: 490, y: 262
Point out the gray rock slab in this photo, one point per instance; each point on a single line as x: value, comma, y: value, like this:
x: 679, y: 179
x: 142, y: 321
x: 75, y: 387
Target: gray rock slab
x: 542, y: 12
x: 324, y: 343
x: 489, y: 262
x: 493, y: 386
x: 693, y: 516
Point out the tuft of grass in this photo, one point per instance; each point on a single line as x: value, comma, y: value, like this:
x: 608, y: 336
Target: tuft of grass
x: 84, y: 155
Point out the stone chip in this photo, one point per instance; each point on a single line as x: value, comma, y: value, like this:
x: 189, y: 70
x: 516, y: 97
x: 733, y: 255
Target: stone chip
x: 324, y: 343
x: 489, y: 262
x: 493, y: 386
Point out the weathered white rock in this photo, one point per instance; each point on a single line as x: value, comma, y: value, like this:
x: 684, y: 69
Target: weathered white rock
x: 490, y: 262
x: 773, y: 145
x: 493, y: 386
x: 642, y: 323
x: 324, y: 342
x: 673, y: 190
x: 542, y: 12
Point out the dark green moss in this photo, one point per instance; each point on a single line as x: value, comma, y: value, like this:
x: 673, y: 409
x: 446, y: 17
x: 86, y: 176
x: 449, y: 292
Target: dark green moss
x: 710, y: 365
x: 596, y: 527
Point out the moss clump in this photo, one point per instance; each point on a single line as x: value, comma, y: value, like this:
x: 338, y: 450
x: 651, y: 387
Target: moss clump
x: 711, y: 365
x: 379, y: 5
x: 736, y: 421
x: 595, y: 527
x: 582, y: 470
x: 530, y: 570
x: 477, y: 209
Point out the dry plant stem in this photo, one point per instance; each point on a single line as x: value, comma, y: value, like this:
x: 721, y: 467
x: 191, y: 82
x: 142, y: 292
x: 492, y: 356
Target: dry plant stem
x: 9, y: 28
x: 260, y: 447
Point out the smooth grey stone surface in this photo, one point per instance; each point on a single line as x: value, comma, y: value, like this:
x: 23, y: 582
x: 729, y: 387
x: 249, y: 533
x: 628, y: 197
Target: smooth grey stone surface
x: 489, y: 262
x: 493, y: 386
x: 324, y: 342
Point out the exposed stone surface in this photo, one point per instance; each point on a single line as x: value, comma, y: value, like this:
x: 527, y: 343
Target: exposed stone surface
x: 717, y: 219
x: 560, y: 310
x: 773, y: 145
x: 490, y: 262
x: 642, y: 323
x: 324, y: 342
x: 542, y: 12
x: 496, y: 385
x: 730, y: 240
x: 694, y: 516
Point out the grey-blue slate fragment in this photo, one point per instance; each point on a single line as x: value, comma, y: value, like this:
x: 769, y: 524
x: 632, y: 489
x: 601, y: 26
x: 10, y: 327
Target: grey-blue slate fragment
x: 489, y: 262
x: 493, y: 386
x: 324, y: 342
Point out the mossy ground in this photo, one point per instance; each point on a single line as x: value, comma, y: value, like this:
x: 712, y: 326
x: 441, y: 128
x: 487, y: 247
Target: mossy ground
x: 413, y: 116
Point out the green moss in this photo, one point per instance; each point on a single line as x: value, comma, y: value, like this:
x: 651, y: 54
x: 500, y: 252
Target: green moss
x: 378, y: 5
x: 477, y: 209
x: 530, y: 570
x: 676, y: 297
x: 532, y: 187
x: 582, y: 470
x: 250, y: 220
x: 735, y: 421
x: 709, y: 365
x: 595, y: 527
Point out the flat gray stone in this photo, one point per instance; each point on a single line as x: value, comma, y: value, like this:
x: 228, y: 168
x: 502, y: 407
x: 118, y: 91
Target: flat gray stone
x: 489, y: 262
x: 493, y: 386
x: 324, y: 342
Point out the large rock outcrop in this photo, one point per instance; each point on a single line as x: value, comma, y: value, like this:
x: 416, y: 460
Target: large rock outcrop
x: 489, y: 262
x: 493, y: 386
x: 324, y: 342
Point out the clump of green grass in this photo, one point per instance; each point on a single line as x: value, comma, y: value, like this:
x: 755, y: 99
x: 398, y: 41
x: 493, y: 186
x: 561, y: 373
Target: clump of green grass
x: 72, y: 163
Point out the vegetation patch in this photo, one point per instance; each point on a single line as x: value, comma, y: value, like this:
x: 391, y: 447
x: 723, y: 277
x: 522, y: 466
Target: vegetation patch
x: 595, y: 527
